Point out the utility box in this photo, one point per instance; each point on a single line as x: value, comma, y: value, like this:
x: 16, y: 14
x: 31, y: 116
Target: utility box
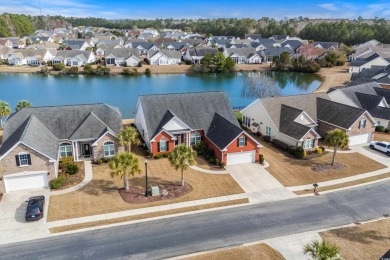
x: 155, y: 191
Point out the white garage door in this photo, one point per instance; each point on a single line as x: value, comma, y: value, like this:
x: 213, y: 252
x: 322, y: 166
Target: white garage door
x: 243, y: 157
x: 359, y: 139
x: 25, y: 181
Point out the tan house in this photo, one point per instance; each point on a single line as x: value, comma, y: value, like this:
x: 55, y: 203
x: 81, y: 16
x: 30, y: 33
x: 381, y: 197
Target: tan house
x: 35, y: 139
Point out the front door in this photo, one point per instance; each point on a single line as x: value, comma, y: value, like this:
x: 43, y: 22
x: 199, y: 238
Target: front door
x: 178, y: 140
x: 86, y: 150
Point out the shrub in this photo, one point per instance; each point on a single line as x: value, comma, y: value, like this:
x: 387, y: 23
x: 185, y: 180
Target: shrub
x: 57, y: 182
x: 380, y: 128
x: 44, y: 70
x: 105, y: 159
x: 291, y: 150
x: 71, y: 169
x: 261, y: 158
x: 387, y: 130
x: 148, y: 71
x: 267, y: 138
x: 58, y: 66
x: 207, y: 157
x: 222, y: 165
x: 299, y: 152
x: 210, y: 152
x: 100, y: 161
x: 318, y: 150
x: 126, y: 71
x: 158, y: 156
x: 280, y: 145
x: 216, y: 162
x: 64, y: 161
x: 322, y: 148
x: 211, y: 160
x: 201, y: 148
x: 188, y: 62
x: 166, y: 155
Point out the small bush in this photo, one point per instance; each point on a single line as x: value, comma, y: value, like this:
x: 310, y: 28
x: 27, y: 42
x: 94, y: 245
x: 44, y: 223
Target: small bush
x: 71, y: 169
x: 58, y: 66
x: 380, y: 128
x: 158, y: 156
x: 207, y: 157
x: 387, y: 130
x: 57, y: 182
x: 322, y: 148
x: 166, y: 155
x: 291, y: 150
x: 148, y: 71
x: 216, y: 162
x: 100, y: 161
x: 222, y: 165
x: 126, y: 71
x: 64, y: 161
x: 299, y: 152
x: 211, y: 160
x: 261, y: 158
x: 105, y: 159
x: 318, y: 150
x: 44, y: 70
x: 267, y: 138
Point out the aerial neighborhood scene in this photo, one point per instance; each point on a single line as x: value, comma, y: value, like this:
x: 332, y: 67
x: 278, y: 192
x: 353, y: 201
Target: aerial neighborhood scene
x: 194, y: 131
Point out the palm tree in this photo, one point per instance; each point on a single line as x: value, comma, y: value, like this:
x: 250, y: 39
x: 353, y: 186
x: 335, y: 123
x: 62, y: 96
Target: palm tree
x: 181, y: 157
x: 338, y: 139
x: 22, y: 104
x: 322, y: 250
x: 5, y: 110
x: 128, y: 136
x: 124, y: 164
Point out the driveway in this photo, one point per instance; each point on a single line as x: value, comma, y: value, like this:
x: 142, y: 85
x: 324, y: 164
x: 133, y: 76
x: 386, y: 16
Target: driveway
x: 258, y: 183
x: 373, y: 154
x: 13, y: 227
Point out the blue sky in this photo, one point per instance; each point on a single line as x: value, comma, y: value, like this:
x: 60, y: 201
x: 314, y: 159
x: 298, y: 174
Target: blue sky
x: 152, y: 9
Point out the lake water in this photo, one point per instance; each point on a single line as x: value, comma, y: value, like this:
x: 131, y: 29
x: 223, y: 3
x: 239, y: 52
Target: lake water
x: 123, y: 91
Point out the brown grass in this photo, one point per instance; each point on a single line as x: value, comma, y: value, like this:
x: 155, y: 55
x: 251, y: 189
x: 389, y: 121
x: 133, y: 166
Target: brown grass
x: 148, y: 215
x: 258, y: 251
x: 367, y: 241
x: 345, y: 184
x: 294, y: 172
x: 333, y: 77
x: 381, y: 137
x: 101, y: 194
x: 202, y: 163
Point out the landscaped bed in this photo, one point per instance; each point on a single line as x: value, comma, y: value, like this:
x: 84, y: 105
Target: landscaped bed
x: 294, y: 172
x: 382, y: 137
x: 101, y: 194
x: 73, y: 180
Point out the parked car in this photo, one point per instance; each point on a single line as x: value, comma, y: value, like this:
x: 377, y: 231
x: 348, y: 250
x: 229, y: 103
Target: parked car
x: 381, y: 146
x: 35, y: 207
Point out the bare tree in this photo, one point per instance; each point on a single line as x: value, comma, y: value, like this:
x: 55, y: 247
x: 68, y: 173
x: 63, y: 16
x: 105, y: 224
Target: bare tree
x: 259, y: 85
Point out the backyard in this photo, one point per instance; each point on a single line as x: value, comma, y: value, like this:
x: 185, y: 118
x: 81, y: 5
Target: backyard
x: 101, y: 194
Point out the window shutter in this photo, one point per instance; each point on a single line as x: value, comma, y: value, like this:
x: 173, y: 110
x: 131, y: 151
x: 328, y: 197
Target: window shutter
x: 158, y: 146
x: 364, y: 123
x: 29, y: 159
x: 17, y: 160
x: 238, y: 142
x: 245, y: 141
x: 167, y: 146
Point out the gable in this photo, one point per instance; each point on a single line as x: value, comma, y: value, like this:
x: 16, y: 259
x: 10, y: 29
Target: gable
x: 175, y: 125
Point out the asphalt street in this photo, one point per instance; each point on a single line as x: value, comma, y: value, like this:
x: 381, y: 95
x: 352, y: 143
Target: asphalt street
x: 204, y: 231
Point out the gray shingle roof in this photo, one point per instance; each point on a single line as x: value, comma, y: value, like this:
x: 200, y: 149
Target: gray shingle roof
x: 384, y: 93
x: 194, y: 109
x: 295, y: 44
x: 371, y: 102
x: 242, y: 52
x: 288, y: 126
x: 122, y: 52
x: 327, y: 45
x: 91, y: 128
x: 367, y: 88
x: 201, y: 52
x: 276, y: 51
x: 337, y: 114
x: 220, y: 125
x: 170, y: 54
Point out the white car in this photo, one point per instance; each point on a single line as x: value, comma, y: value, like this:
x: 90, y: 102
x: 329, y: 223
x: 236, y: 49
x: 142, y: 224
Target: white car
x: 381, y: 146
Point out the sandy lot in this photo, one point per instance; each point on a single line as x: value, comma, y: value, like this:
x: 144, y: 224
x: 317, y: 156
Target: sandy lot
x: 334, y: 77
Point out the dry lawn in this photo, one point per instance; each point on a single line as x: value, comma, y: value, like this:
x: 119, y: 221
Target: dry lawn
x: 333, y: 77
x: 294, y: 172
x: 258, y: 251
x: 345, y: 184
x: 101, y: 194
x: 381, y: 137
x: 202, y: 163
x: 148, y: 215
x: 367, y: 241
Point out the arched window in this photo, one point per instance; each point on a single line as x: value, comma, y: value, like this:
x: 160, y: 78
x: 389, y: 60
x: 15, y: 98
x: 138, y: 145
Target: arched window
x: 308, y: 143
x: 109, y: 149
x: 195, y: 138
x: 162, y: 145
x: 65, y: 150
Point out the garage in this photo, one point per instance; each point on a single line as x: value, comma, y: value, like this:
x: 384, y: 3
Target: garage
x: 359, y: 139
x: 243, y: 157
x: 23, y: 181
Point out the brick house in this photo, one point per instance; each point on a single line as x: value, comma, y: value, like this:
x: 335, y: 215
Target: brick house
x: 35, y: 139
x: 301, y: 120
x: 168, y: 120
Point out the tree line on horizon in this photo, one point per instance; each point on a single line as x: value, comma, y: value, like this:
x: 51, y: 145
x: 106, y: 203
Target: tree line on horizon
x: 349, y: 32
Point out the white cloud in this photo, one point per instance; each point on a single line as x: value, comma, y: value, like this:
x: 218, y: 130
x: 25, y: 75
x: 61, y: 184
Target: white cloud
x: 329, y: 6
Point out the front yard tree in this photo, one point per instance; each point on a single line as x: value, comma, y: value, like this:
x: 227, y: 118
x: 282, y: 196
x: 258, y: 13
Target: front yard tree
x: 5, y: 110
x: 128, y: 136
x: 181, y: 157
x: 338, y: 139
x: 22, y: 104
x: 322, y: 250
x: 123, y: 165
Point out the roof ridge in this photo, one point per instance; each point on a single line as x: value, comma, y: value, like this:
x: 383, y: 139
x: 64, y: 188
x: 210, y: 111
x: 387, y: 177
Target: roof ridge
x: 183, y: 93
x: 29, y: 119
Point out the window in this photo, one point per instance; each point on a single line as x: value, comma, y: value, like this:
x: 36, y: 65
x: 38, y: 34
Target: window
x: 109, y: 149
x: 308, y: 143
x: 162, y: 145
x: 241, y: 141
x: 65, y: 150
x: 268, y: 130
x: 362, y: 123
x: 23, y: 159
x: 195, y: 138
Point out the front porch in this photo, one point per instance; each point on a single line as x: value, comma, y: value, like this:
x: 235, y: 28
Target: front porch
x: 86, y: 150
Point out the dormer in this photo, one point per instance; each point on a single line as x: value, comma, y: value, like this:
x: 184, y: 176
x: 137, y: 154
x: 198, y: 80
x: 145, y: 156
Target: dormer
x: 305, y: 119
x: 176, y: 125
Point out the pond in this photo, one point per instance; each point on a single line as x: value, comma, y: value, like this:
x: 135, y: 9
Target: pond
x: 123, y: 91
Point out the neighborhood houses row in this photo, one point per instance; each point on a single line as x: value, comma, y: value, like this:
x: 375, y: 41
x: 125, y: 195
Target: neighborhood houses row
x: 36, y: 138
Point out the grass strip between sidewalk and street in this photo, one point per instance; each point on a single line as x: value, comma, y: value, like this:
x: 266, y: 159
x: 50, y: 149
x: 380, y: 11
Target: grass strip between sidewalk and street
x: 257, y: 251
x: 344, y: 184
x: 147, y: 215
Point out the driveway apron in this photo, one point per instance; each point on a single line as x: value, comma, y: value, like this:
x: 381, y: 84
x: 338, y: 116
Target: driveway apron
x: 258, y: 183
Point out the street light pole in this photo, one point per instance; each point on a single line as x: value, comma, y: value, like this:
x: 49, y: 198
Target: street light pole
x: 146, y: 173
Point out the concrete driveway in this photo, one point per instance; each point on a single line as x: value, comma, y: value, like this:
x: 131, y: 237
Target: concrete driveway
x: 258, y: 183
x: 13, y: 227
x: 373, y: 154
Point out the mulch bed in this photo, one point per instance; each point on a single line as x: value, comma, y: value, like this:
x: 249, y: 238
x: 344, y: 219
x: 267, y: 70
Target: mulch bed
x: 167, y: 191
x: 73, y: 180
x: 327, y: 167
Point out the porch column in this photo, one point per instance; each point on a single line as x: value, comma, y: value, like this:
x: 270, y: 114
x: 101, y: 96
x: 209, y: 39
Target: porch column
x: 73, y: 150
x: 77, y: 152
